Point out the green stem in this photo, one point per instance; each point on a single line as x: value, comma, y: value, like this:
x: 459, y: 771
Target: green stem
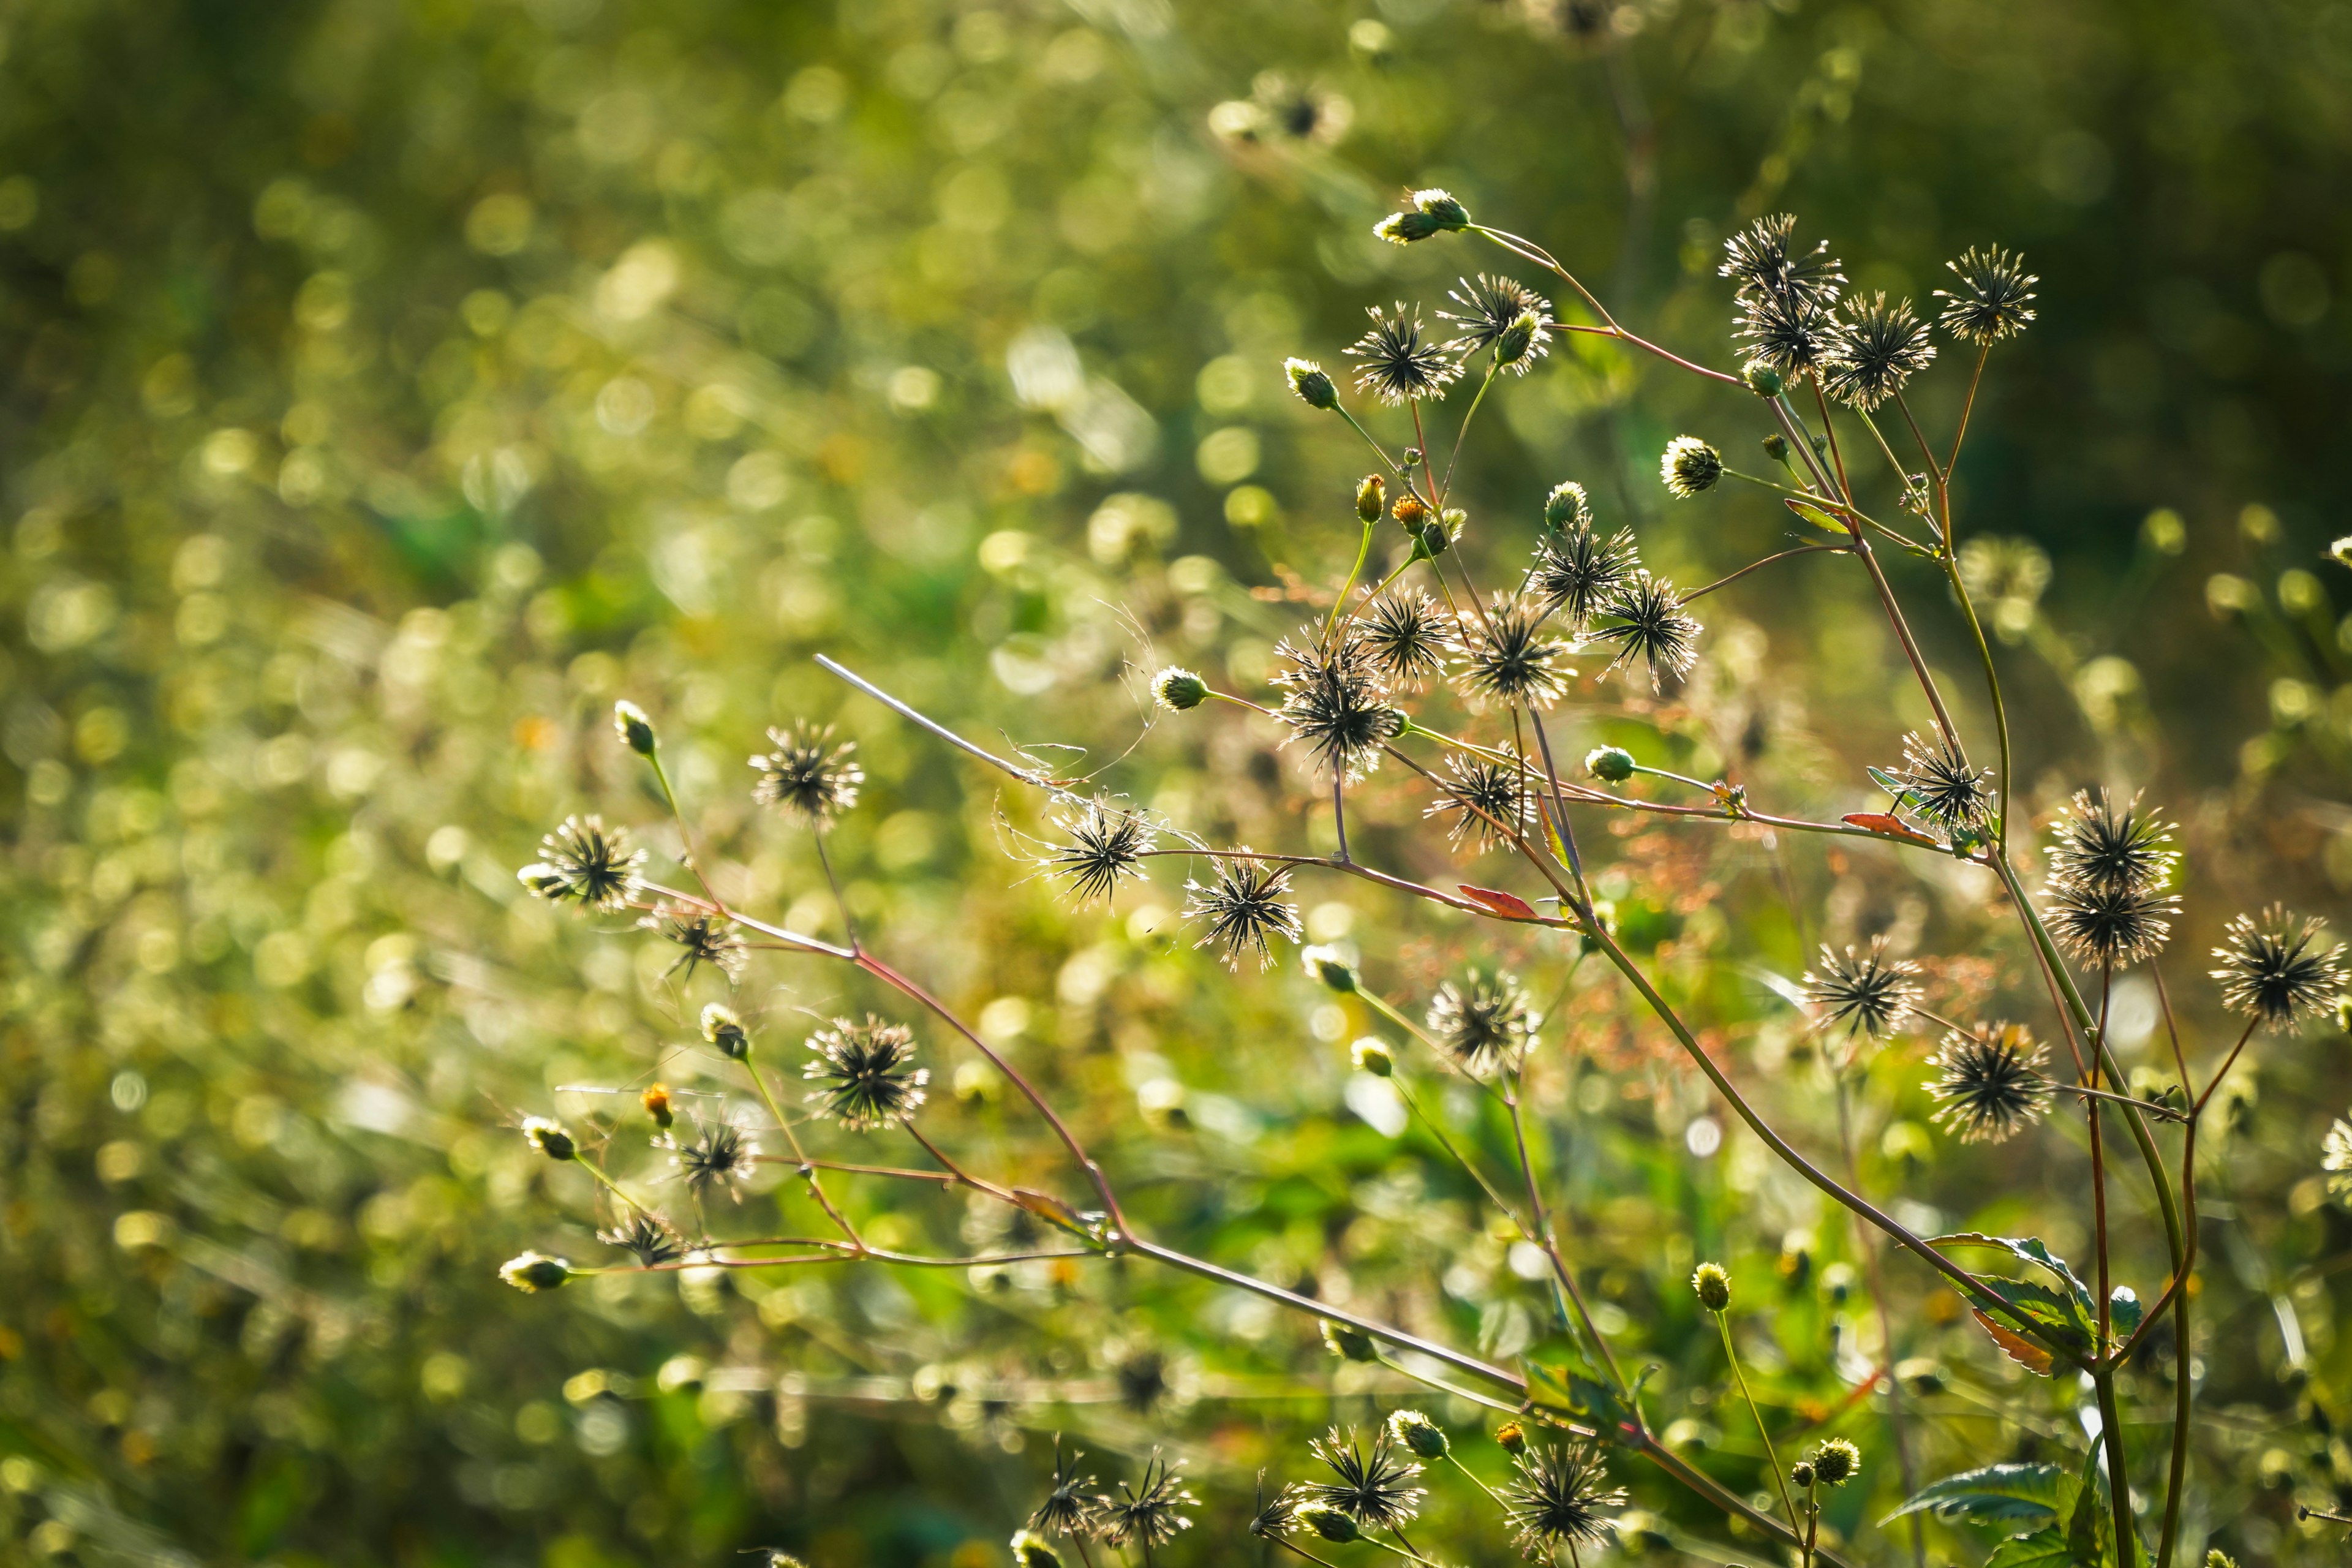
x: 1779, y: 1479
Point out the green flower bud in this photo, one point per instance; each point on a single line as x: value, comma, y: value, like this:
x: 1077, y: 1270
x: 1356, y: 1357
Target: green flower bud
x: 1179, y: 690
x: 1347, y: 1343
x: 1372, y: 499
x: 1313, y: 387
x: 637, y: 731
x: 1441, y: 208
x: 1512, y: 1437
x: 723, y: 1029
x: 1800, y: 1475
x: 1329, y: 966
x: 1836, y: 1462
x: 2341, y: 551
x: 1518, y: 339
x: 534, y: 1272
x: 1430, y: 541
x: 1609, y: 764
x: 549, y: 1138
x: 1373, y: 1056
x: 1567, y: 504
x: 1455, y: 521
x: 1762, y: 379
x: 1328, y: 1522
x: 1404, y: 228
x: 1030, y: 1551
x: 1777, y: 448
x: 1713, y: 1287
x: 1417, y: 1432
x: 1689, y: 467
x: 1922, y: 1377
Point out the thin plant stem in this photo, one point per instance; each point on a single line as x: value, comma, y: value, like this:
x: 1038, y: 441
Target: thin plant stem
x: 1783, y: 555
x: 1779, y: 1478
x: 1453, y: 460
x: 800, y: 1156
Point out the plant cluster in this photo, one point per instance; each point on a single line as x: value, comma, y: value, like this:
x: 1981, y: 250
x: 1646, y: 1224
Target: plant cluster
x: 1464, y: 688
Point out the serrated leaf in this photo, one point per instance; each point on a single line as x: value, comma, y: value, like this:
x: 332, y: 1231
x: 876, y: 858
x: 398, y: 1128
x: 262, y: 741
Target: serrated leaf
x: 2032, y: 1355
x: 1567, y: 1390
x: 2042, y: 1549
x: 2090, y: 1533
x: 2125, y: 1311
x: 2080, y: 1311
x: 2023, y: 1496
x: 2033, y: 1305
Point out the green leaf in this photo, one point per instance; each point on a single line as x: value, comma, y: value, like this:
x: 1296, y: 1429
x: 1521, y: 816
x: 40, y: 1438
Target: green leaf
x: 2039, y: 1306
x: 2125, y: 1311
x: 1568, y: 1391
x: 2030, y: 1249
x: 2026, y: 1495
x: 2042, y: 1549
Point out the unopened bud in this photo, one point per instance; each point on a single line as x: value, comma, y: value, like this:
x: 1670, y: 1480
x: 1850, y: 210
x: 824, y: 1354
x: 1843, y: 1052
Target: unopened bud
x: 1567, y: 504
x: 723, y: 1029
x: 1372, y: 496
x: 637, y: 731
x: 1442, y: 207
x: 549, y: 1138
x: 1800, y: 1475
x: 1777, y: 448
x: 1518, y: 339
x: 1712, y: 1286
x: 1611, y: 764
x: 1409, y: 511
x: 1348, y: 1344
x: 535, y: 1272
x: 1329, y: 966
x: 1030, y: 1550
x: 1179, y: 690
x: 1373, y: 1056
x: 1417, y: 1432
x: 1312, y: 387
x: 656, y: 1100
x: 1762, y: 379
x: 1512, y: 1437
x: 1329, y: 1520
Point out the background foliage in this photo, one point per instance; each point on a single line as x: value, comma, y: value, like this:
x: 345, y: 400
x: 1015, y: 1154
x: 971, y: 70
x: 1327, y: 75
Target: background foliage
x: 388, y: 386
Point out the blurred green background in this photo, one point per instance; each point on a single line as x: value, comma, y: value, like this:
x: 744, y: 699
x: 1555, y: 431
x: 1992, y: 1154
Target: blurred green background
x: 385, y: 387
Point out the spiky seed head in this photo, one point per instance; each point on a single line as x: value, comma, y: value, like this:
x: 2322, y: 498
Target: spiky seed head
x: 1991, y: 302
x: 1486, y: 803
x: 1868, y: 993
x: 637, y: 731
x: 1764, y: 260
x: 1990, y: 1082
x: 721, y: 1158
x: 1395, y: 362
x: 1559, y: 1497
x: 1150, y: 1511
x: 1507, y: 657
x: 1102, y: 845
x: 2094, y: 845
x: 1328, y: 1521
x: 583, y: 862
x: 1836, y: 1462
x: 1712, y: 1285
x: 1511, y: 1437
x: 1482, y: 1020
x: 806, y: 775
x: 722, y: 1028
x: 1648, y: 622
x: 1346, y: 1343
x: 1418, y: 1433
x: 1609, y: 764
x: 1335, y: 699
x: 700, y: 938
x: 535, y: 1272
x: 1567, y: 506
x: 864, y: 1073
x: 1792, y: 334
x: 550, y: 1137
x: 656, y: 1100
x: 1074, y: 1506
x: 1763, y: 381
x: 1501, y: 314
x: 2274, y: 971
x: 1310, y: 384
x: 1179, y: 690
x: 647, y: 1237
x: 1372, y: 499
x: 1689, y: 467
x: 1371, y: 1483
x: 1030, y: 1550
x: 1879, y: 347
x: 1243, y: 905
x: 1578, y: 571
x: 1372, y: 1056
x: 2114, y: 926
x: 1277, y: 1516
x: 1943, y: 786
x: 1404, y: 636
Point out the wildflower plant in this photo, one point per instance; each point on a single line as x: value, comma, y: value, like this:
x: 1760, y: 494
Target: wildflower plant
x: 1482, y: 700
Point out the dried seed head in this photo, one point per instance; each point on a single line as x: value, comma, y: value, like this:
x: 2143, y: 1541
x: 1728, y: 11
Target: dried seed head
x: 2095, y: 846
x: 1559, y: 1497
x: 1690, y: 466
x: 864, y: 1074
x: 1150, y: 1511
x: 584, y: 863
x: 1102, y: 845
x: 1991, y: 302
x: 1942, y: 785
x: 808, y: 776
x: 1649, y: 623
x: 1501, y: 314
x: 2111, y: 925
x: 647, y: 1237
x: 1879, y: 347
x: 1244, y: 908
x: 1486, y: 803
x: 1507, y: 655
x: 1371, y: 1484
x: 1763, y: 259
x: 1989, y: 1081
x: 2274, y: 972
x: 1577, y: 572
x: 1404, y: 636
x: 721, y: 1158
x: 701, y: 938
x: 1395, y: 362
x: 1481, y: 1020
x: 1335, y: 699
x: 1869, y: 992
x: 1074, y: 1506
